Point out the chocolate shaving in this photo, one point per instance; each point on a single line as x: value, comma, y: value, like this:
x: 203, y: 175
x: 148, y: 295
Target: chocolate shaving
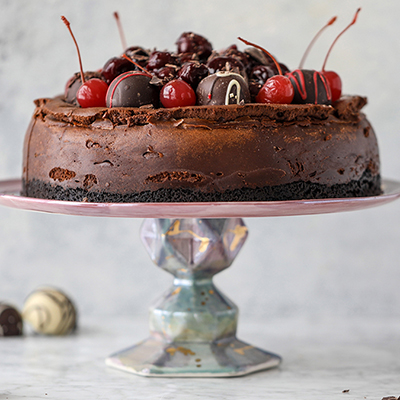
x: 348, y: 107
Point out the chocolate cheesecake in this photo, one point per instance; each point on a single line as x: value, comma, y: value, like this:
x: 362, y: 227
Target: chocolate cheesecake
x: 234, y: 152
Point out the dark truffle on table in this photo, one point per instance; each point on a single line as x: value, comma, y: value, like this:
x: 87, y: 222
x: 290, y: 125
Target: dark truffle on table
x: 10, y: 321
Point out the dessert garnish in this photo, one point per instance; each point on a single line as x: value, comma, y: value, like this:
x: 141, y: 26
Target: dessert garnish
x: 93, y: 91
x: 195, y: 74
x: 192, y: 73
x: 132, y: 89
x: 120, y: 30
x: 278, y: 88
x: 332, y: 77
x: 314, y: 39
x: 177, y: 93
x: 310, y: 87
x: 223, y: 88
x: 226, y: 63
x: 194, y: 45
x: 116, y: 66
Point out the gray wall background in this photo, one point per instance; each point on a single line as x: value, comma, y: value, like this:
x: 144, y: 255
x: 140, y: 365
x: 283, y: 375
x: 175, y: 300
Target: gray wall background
x: 341, y: 264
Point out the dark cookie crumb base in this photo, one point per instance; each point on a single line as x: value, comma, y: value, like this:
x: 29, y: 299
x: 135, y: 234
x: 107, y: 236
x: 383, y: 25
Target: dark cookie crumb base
x: 367, y: 185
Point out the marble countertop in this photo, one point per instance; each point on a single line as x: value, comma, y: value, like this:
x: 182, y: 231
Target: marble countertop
x: 329, y: 358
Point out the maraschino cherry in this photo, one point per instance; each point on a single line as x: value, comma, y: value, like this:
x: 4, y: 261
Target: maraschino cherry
x: 92, y: 93
x: 177, y: 93
x: 332, y: 77
x: 278, y: 88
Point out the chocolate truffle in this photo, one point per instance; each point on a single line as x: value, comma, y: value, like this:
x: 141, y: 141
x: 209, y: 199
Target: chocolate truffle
x: 310, y: 87
x: 10, y: 321
x: 132, y: 89
x: 223, y: 88
x: 50, y: 311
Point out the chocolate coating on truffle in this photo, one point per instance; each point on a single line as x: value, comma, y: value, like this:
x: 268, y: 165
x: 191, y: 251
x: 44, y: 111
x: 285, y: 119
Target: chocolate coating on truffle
x: 132, y: 89
x: 223, y: 88
x: 10, y: 321
x: 310, y: 87
x: 50, y: 311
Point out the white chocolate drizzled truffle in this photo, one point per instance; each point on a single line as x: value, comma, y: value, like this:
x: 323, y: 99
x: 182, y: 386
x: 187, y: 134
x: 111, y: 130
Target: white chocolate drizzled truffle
x: 50, y: 311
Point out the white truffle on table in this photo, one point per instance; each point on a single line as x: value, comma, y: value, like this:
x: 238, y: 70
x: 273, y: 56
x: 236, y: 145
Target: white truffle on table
x: 49, y: 311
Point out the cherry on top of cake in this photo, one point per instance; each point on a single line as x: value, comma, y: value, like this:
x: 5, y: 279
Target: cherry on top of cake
x: 196, y: 74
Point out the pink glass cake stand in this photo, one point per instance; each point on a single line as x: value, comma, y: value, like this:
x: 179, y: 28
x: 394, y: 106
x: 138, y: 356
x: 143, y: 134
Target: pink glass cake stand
x: 193, y: 327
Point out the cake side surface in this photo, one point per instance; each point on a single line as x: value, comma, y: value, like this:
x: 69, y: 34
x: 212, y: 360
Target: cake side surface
x: 218, y: 153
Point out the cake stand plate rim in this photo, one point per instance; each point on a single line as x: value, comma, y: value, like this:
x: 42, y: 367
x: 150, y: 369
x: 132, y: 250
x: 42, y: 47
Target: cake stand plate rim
x: 9, y: 197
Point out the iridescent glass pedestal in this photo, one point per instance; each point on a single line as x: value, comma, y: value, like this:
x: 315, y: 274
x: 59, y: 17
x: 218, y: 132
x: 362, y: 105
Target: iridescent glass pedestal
x: 193, y: 326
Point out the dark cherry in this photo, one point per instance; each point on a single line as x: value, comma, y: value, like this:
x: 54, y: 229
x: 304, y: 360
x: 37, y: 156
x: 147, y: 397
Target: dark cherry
x: 192, y: 73
x: 158, y: 59
x: 284, y: 68
x: 183, y: 58
x: 234, y: 52
x: 165, y: 73
x: 138, y: 54
x: 260, y: 73
x: 254, y: 88
x: 258, y: 57
x: 310, y: 87
x: 222, y: 63
x: 190, y: 42
x: 177, y: 93
x: 116, y: 66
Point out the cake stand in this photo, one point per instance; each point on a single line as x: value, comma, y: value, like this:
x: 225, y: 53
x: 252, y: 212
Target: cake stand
x: 193, y: 326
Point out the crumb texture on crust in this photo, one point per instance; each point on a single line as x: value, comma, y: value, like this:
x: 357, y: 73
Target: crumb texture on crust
x: 367, y: 185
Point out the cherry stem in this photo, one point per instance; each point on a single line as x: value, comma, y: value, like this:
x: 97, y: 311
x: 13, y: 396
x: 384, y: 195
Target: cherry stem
x: 265, y: 51
x: 338, y: 36
x: 135, y: 63
x: 120, y: 30
x: 330, y: 22
x: 68, y: 25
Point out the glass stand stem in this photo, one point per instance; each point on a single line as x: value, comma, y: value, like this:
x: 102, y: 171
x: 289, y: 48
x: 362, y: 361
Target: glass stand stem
x: 193, y: 326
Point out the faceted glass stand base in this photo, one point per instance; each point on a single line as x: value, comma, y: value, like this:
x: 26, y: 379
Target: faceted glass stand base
x: 193, y: 326
x: 224, y: 358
